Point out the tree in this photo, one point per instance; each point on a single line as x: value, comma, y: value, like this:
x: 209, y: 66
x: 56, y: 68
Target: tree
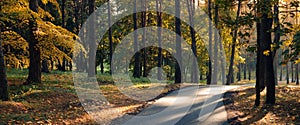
x: 34, y: 51
x: 194, y: 70
x: 92, y: 39
x: 110, y: 35
x: 209, y: 74
x: 178, y: 42
x: 3, y: 79
x: 136, y: 69
x: 144, y: 23
x: 265, y: 54
x: 216, y: 40
x: 159, y: 33
x: 230, y: 72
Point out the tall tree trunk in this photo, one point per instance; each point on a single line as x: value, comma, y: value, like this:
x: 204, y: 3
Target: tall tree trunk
x: 245, y: 71
x: 223, y: 60
x: 92, y: 40
x: 259, y: 80
x: 292, y: 71
x: 249, y: 73
x: 194, y: 70
x: 110, y: 36
x: 45, y: 66
x: 280, y: 77
x: 230, y: 72
x: 136, y: 70
x: 62, y: 67
x: 216, y: 50
x: 178, y: 43
x: 287, y: 74
x: 239, y: 72
x: 144, y: 23
x: 276, y: 38
x: 265, y: 44
x: 3, y: 79
x: 209, y: 74
x: 34, y: 51
x: 297, y: 74
x: 159, y: 26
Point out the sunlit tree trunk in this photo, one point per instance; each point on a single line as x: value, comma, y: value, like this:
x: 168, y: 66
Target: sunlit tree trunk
x: 194, y: 70
x: 216, y: 49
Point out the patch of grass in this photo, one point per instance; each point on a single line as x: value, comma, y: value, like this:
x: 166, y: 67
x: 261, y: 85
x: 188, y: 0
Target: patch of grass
x: 54, y: 101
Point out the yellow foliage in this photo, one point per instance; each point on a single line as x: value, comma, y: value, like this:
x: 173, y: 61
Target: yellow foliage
x: 266, y: 52
x: 288, y: 42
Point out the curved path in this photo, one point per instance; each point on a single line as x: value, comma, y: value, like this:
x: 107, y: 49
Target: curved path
x: 192, y: 105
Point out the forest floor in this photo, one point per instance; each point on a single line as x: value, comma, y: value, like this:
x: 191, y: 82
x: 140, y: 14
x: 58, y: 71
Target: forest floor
x: 239, y: 105
x: 54, y: 101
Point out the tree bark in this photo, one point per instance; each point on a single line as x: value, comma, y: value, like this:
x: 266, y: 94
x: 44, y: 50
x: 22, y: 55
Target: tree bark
x: 230, y: 72
x: 297, y: 74
x: 194, y: 70
x: 136, y: 70
x: 292, y: 71
x: 287, y: 74
x: 34, y: 75
x: 110, y: 36
x: 178, y: 75
x: 3, y: 78
x: 92, y: 40
x: 144, y: 23
x: 266, y: 41
x: 159, y: 26
x: 239, y: 72
x: 216, y: 50
x: 209, y: 74
x: 45, y: 66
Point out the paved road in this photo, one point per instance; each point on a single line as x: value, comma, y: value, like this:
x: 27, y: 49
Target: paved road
x: 192, y: 105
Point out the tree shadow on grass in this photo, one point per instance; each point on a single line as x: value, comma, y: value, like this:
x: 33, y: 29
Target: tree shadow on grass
x: 243, y: 113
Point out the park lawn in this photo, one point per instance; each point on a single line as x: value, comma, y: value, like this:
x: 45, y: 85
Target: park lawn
x: 241, y: 110
x: 54, y: 101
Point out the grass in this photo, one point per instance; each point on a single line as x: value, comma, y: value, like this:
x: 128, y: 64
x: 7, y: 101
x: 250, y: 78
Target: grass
x: 241, y: 110
x: 54, y: 101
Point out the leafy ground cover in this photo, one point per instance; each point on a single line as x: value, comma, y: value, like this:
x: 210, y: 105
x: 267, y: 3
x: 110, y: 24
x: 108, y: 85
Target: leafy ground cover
x: 241, y: 110
x: 54, y: 101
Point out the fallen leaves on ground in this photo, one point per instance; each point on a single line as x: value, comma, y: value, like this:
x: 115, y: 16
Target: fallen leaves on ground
x: 55, y: 102
x: 239, y: 105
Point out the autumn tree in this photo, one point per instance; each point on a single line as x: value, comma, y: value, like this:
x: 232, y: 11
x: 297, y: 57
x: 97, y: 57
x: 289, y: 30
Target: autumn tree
x: 233, y: 46
x: 178, y: 42
x: 136, y: 70
x: 34, y: 50
x: 3, y: 79
x: 92, y: 40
